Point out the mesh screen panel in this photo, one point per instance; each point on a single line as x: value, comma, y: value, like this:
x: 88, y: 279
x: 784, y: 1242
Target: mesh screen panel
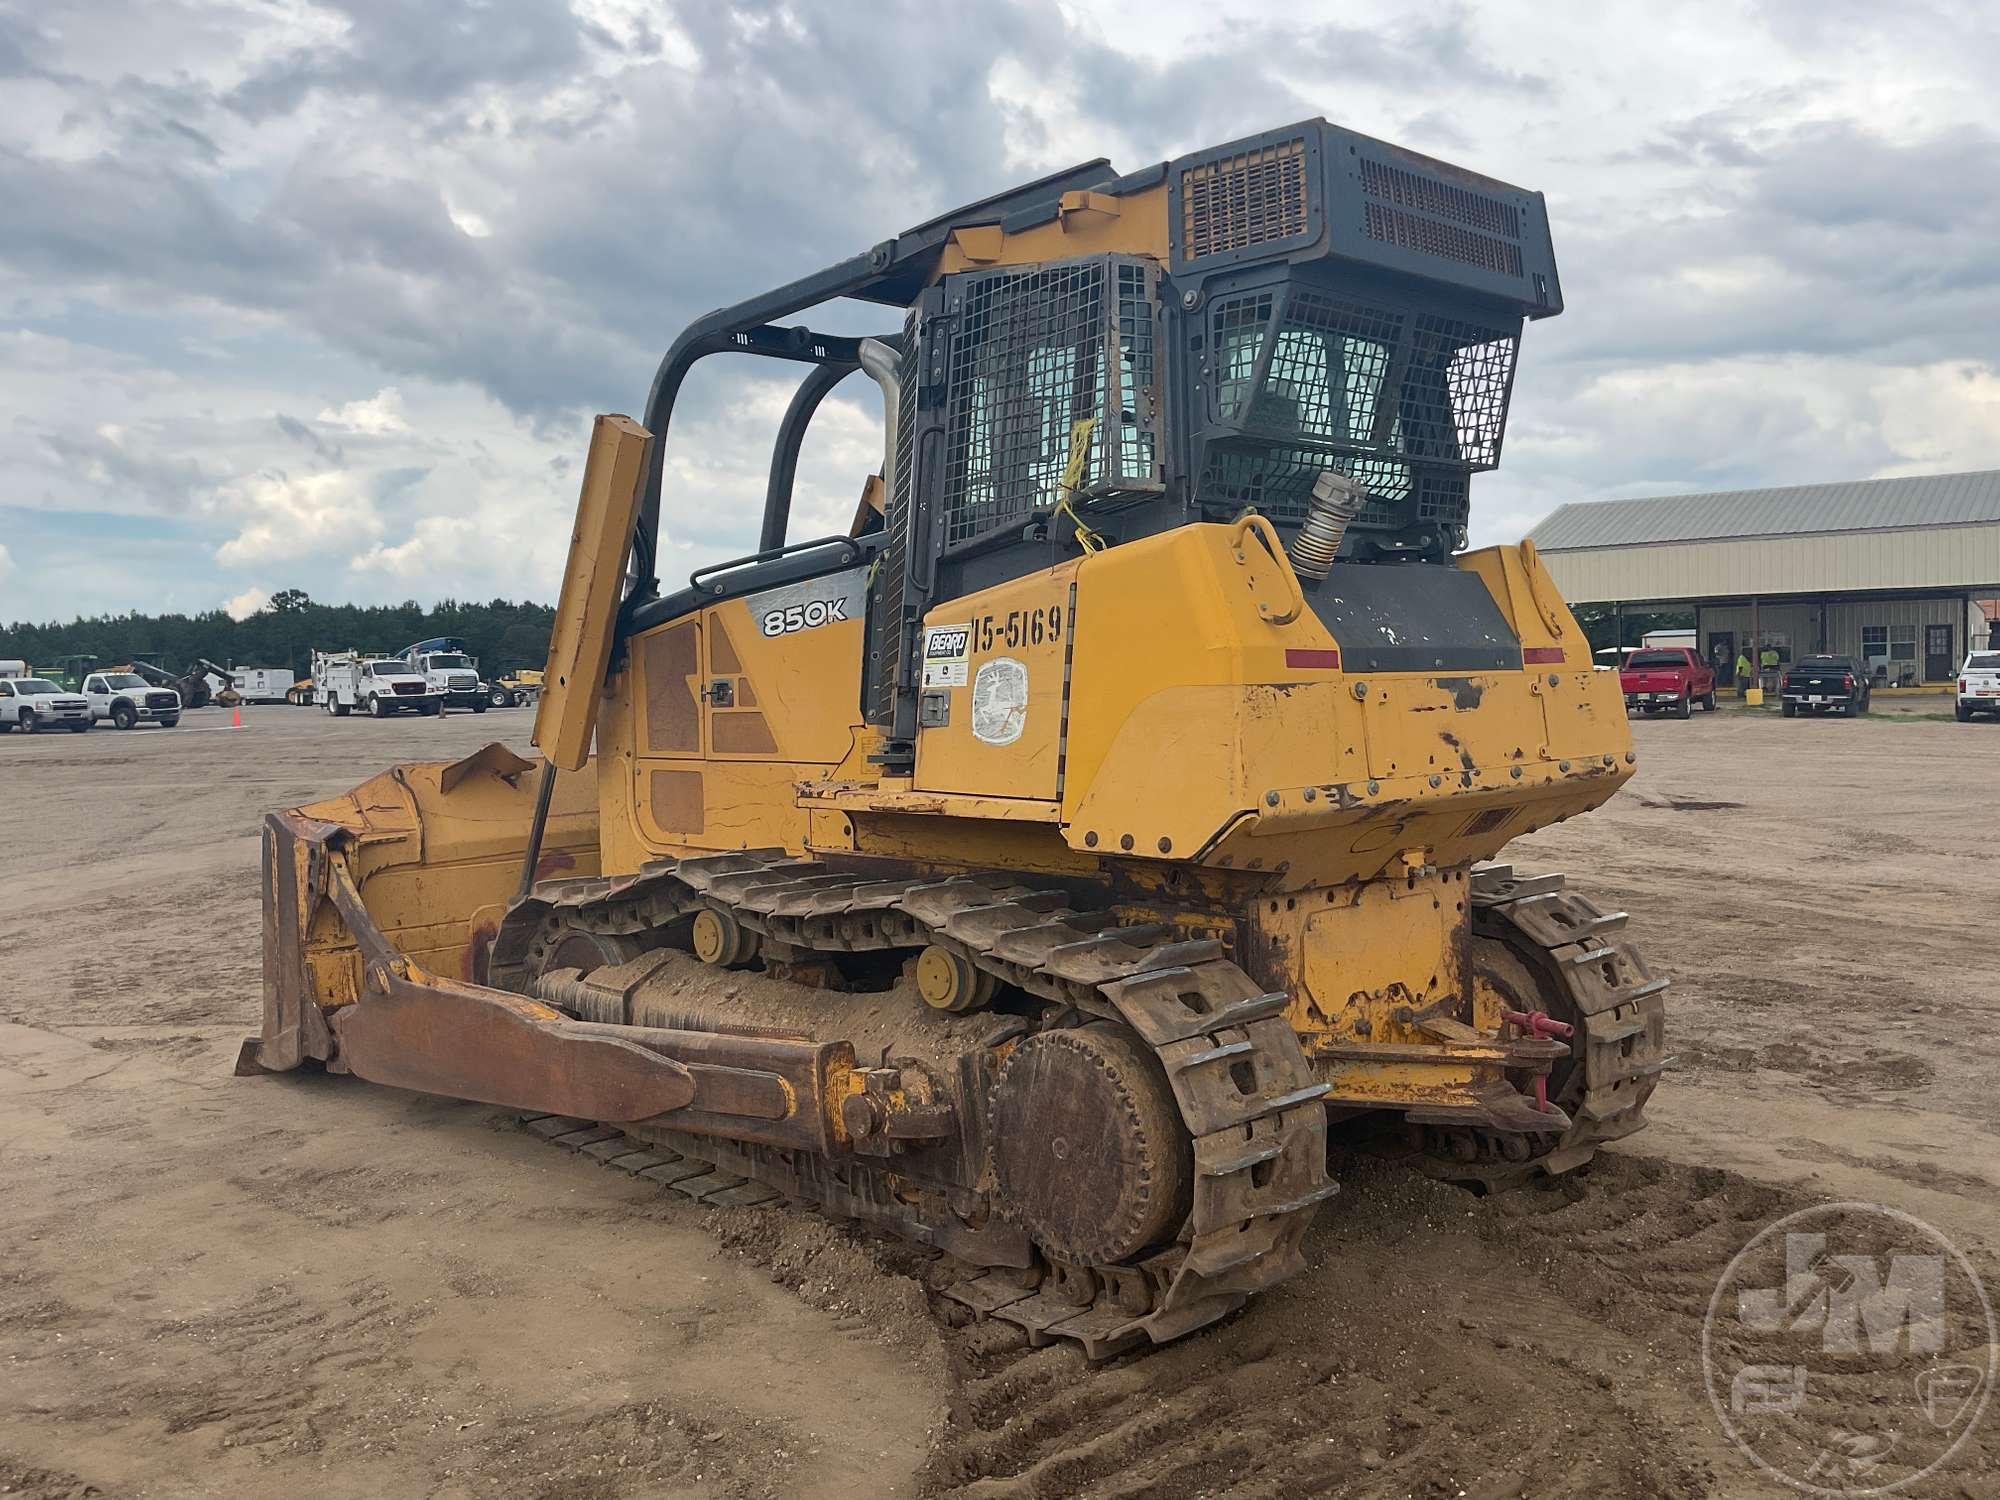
x: 1248, y: 199
x: 1466, y: 371
x: 1405, y: 404
x: 1327, y: 363
x: 1278, y: 481
x: 1034, y: 354
x: 1025, y: 368
x: 1131, y: 447
x: 1239, y: 325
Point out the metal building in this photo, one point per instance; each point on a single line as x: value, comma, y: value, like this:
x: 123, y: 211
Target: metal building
x: 1889, y: 571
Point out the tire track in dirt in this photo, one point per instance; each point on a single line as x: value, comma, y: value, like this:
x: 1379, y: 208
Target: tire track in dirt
x: 1542, y: 1343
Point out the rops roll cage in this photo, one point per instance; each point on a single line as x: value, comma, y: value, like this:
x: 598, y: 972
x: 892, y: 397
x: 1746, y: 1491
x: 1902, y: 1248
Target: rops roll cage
x: 892, y: 273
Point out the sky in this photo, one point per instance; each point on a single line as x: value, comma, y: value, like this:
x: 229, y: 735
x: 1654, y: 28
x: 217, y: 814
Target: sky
x: 324, y: 295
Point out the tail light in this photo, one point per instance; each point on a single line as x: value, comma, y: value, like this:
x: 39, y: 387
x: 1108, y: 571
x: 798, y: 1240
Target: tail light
x: 1961, y: 687
x: 1847, y: 682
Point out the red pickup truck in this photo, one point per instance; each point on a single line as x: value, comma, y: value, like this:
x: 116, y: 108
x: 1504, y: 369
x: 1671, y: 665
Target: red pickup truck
x: 1664, y: 679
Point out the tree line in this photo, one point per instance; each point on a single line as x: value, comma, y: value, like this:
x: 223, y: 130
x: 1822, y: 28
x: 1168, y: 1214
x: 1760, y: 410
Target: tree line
x: 503, y: 635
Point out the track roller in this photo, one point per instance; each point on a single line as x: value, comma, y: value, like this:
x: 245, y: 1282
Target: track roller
x: 721, y: 940
x: 948, y: 980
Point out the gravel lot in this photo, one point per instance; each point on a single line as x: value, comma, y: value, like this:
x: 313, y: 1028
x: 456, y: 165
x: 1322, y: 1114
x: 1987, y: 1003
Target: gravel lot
x: 216, y: 1286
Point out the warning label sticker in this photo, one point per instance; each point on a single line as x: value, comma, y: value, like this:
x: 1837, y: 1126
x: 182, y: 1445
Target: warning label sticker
x: 945, y: 650
x: 1000, y: 701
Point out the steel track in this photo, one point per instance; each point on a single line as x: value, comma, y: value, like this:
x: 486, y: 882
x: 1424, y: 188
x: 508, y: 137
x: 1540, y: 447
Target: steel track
x: 1602, y: 987
x: 1240, y: 1078
x: 1239, y: 1075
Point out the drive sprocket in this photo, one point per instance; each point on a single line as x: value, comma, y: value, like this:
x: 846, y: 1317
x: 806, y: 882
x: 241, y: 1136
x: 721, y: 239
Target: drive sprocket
x: 1087, y: 1146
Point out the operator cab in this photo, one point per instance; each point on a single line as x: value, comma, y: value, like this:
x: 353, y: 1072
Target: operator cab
x: 1095, y: 358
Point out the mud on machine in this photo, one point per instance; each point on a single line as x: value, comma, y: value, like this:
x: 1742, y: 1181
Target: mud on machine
x: 1101, y: 823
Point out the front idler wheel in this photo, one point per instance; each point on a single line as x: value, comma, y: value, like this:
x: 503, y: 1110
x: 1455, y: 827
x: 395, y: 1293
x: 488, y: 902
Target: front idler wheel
x: 721, y: 940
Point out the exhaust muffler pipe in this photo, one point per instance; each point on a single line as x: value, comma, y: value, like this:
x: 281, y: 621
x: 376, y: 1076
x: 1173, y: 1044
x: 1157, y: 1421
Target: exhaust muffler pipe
x: 878, y: 363
x: 1336, y: 500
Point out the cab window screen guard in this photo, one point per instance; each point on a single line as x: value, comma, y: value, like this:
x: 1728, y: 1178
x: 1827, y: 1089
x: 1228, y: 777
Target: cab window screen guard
x: 1408, y: 402
x: 1047, y: 363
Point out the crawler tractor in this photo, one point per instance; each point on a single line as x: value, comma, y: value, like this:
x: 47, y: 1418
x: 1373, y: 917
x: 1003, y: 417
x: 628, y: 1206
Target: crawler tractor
x: 1101, y: 828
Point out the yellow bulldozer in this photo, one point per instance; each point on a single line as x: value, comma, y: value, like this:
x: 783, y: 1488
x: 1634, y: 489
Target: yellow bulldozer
x: 1098, y: 831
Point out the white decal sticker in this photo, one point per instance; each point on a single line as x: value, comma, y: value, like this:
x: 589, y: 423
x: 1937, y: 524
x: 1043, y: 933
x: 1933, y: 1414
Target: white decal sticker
x: 945, y: 650
x: 1000, y: 701
x: 809, y: 605
x: 807, y: 616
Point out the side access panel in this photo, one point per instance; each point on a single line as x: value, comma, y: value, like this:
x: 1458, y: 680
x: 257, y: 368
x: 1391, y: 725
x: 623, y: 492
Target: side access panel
x: 995, y: 695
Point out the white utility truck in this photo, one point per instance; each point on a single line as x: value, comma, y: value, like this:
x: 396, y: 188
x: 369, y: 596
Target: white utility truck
x: 450, y: 671
x: 344, y: 681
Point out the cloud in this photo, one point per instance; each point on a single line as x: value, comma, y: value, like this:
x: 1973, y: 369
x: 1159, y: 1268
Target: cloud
x: 434, y: 544
x: 6, y: 564
x: 380, y: 414
x: 393, y: 53
x: 1778, y: 261
x: 282, y: 516
x: 244, y: 605
x: 129, y: 464
x: 302, y: 434
x: 469, y: 222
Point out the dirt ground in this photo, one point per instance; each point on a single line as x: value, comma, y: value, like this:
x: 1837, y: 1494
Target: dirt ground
x: 218, y: 1286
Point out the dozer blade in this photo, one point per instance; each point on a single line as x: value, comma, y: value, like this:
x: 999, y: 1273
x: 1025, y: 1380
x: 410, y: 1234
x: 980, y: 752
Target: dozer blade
x: 368, y: 897
x: 414, y: 1031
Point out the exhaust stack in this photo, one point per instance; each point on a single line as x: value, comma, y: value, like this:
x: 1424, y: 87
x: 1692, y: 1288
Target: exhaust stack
x: 1336, y: 500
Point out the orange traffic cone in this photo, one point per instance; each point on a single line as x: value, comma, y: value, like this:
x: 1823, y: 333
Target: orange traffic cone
x: 235, y: 716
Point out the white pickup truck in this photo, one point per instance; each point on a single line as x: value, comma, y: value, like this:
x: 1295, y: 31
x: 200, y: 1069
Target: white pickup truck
x: 31, y: 704
x: 1979, y: 685
x: 126, y: 699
